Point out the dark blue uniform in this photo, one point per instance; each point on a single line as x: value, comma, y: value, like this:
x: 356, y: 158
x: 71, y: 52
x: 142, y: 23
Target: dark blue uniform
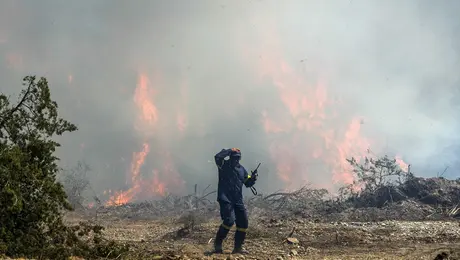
x: 232, y: 177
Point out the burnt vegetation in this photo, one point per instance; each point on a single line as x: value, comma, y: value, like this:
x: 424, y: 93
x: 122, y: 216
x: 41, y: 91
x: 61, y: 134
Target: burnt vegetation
x: 381, y: 191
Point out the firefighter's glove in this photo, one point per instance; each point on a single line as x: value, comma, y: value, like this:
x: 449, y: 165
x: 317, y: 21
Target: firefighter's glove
x: 251, y: 180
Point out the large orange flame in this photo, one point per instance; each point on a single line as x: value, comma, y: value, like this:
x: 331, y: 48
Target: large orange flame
x: 309, y: 133
x: 161, y: 180
x: 143, y: 97
x: 123, y: 197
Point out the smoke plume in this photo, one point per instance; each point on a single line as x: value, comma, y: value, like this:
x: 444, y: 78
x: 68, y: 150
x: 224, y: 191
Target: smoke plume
x: 158, y: 87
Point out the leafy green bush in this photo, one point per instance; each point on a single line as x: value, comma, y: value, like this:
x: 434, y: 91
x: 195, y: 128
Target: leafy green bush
x: 32, y: 202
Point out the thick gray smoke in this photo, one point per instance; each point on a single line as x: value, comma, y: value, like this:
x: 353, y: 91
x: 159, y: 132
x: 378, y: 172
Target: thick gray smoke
x: 224, y: 66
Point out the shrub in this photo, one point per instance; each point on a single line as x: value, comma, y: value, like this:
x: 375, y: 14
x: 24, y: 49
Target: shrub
x: 32, y: 202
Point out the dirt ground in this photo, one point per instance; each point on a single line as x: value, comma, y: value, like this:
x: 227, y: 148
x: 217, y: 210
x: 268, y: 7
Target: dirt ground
x: 267, y: 239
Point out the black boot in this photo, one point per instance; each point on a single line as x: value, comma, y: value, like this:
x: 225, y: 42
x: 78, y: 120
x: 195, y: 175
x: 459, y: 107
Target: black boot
x: 220, y: 236
x: 240, y: 236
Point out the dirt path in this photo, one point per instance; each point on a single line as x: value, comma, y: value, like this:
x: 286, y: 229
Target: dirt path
x: 161, y: 239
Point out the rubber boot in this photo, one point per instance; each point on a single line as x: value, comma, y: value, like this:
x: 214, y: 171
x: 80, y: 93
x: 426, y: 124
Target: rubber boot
x: 220, y: 236
x: 240, y: 236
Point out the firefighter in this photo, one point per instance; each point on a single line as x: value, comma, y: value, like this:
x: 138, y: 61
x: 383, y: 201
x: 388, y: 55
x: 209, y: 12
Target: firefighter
x: 232, y: 176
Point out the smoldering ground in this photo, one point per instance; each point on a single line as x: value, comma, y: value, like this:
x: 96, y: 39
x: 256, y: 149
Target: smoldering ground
x: 297, y: 85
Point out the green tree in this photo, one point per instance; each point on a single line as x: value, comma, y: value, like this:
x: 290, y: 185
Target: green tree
x: 31, y: 201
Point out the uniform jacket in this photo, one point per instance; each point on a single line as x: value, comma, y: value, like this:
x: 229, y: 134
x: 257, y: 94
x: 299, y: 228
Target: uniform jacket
x: 231, y: 179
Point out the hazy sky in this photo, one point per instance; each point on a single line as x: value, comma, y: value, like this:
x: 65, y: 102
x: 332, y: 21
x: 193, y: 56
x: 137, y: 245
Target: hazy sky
x: 297, y: 85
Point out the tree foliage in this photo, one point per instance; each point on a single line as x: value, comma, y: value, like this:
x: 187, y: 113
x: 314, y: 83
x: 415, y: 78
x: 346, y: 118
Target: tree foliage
x: 32, y: 202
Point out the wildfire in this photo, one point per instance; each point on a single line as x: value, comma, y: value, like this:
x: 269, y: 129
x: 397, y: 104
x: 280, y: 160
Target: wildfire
x: 143, y: 97
x: 351, y: 145
x: 138, y: 161
x: 308, y: 132
x: 161, y: 180
x: 124, y: 197
x: 157, y: 185
x: 309, y: 122
x: 309, y: 138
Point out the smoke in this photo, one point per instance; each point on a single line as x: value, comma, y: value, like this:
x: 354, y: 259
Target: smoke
x: 298, y: 85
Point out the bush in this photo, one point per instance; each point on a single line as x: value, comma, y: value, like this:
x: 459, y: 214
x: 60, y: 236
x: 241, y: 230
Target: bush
x: 32, y: 202
x: 378, y: 182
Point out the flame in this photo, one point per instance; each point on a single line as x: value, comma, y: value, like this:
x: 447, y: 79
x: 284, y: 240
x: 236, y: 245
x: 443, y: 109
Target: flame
x: 123, y: 197
x: 351, y: 145
x: 148, y: 117
x: 138, y: 161
x: 306, y: 106
x: 143, y: 97
x: 164, y: 178
x: 403, y: 165
x: 157, y: 185
x: 308, y: 133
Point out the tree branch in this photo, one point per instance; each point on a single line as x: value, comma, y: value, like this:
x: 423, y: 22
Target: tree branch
x: 23, y: 99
